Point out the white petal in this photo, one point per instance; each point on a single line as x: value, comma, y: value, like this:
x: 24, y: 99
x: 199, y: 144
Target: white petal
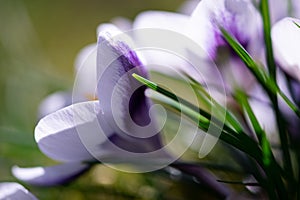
x: 14, y: 191
x: 60, y: 134
x: 48, y: 176
x: 286, y: 43
x: 85, y: 82
x: 54, y: 102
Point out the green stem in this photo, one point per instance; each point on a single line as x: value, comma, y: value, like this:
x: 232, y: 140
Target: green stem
x: 264, y: 6
x: 269, y: 163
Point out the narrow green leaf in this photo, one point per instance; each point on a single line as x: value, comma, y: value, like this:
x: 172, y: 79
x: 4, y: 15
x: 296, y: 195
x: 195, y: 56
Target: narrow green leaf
x: 269, y: 163
x: 179, y: 102
x: 297, y: 24
x: 267, y: 153
x: 212, y: 102
x: 267, y: 83
x: 145, y: 81
x: 264, y: 7
x: 246, y: 145
x: 241, y: 97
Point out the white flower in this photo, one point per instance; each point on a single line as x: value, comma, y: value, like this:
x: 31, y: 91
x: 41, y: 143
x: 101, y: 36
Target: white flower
x: 286, y: 42
x: 116, y: 129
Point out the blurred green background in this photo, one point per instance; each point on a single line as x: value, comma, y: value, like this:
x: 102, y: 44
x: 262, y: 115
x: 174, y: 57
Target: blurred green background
x: 39, y: 41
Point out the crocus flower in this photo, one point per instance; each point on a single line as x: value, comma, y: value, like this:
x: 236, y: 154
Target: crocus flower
x: 14, y: 191
x: 85, y: 80
x: 85, y: 132
x: 238, y: 17
x: 286, y: 41
x: 116, y: 129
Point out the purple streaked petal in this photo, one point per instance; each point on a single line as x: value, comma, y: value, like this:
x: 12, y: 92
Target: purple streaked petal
x: 286, y: 42
x: 54, y: 102
x: 11, y: 190
x: 122, y: 100
x: 238, y: 17
x: 49, y: 176
x: 59, y: 135
x: 85, y: 83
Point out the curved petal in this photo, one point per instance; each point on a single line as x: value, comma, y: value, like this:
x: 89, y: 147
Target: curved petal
x: 49, y: 176
x: 54, y: 102
x: 85, y: 82
x: 286, y: 42
x: 232, y: 15
x: 122, y: 98
x: 60, y: 134
x: 10, y: 190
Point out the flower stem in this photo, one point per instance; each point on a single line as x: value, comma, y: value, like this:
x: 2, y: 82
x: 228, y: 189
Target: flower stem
x: 264, y: 7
